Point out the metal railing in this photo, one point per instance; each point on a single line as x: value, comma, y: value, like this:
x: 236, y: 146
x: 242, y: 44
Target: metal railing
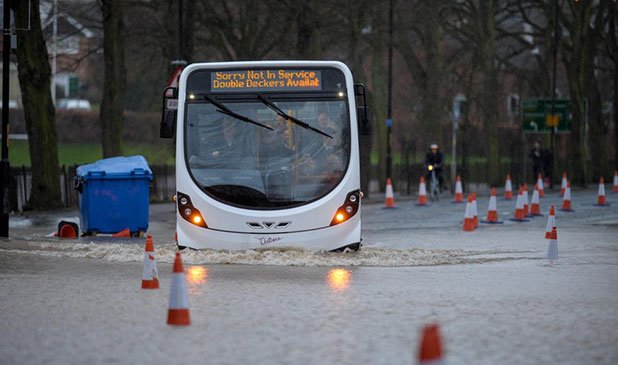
x: 162, y: 187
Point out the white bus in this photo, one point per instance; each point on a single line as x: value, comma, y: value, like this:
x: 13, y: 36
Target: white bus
x: 267, y: 155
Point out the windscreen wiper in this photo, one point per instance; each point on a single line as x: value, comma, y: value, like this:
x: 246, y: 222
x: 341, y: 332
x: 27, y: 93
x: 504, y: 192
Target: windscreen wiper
x: 278, y: 110
x: 225, y: 110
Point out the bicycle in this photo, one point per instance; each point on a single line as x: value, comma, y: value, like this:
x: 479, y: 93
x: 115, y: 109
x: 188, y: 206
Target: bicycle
x: 434, y: 184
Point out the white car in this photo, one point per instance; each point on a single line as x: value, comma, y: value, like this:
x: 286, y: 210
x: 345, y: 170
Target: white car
x: 73, y: 104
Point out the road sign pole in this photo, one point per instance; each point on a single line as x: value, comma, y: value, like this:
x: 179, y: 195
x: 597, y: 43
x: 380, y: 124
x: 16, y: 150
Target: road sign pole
x: 389, y: 157
x: 553, y: 90
x: 4, y: 164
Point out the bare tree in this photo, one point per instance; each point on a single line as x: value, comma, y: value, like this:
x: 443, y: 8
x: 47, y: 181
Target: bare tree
x: 612, y: 50
x: 34, y: 74
x: 422, y: 45
x: 112, y: 105
x: 242, y: 30
x: 475, y: 25
x: 584, y: 21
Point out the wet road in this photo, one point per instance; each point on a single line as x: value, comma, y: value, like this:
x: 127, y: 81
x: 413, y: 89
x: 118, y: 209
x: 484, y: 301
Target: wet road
x: 495, y: 297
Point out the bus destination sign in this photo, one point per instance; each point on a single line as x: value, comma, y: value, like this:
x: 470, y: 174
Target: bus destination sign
x: 265, y: 80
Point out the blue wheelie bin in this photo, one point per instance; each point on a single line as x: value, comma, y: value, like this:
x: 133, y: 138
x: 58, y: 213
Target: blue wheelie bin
x: 114, y: 195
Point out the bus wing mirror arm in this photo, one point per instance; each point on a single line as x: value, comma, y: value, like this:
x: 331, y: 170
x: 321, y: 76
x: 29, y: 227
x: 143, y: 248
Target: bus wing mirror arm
x: 168, y: 116
x: 363, y: 114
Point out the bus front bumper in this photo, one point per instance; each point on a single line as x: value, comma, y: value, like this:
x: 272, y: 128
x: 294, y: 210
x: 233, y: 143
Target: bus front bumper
x: 328, y: 238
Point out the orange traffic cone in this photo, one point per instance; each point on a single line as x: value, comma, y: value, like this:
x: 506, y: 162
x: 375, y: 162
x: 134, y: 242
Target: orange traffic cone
x: 539, y: 184
x: 389, y: 203
x: 150, y: 275
x: 459, y: 198
x: 124, y: 233
x: 551, y: 222
x: 566, y: 199
x: 525, y: 199
x: 430, y: 349
x: 615, y: 188
x: 520, y: 216
x: 475, y: 211
x: 535, y: 207
x: 552, y: 250
x: 563, y: 183
x: 469, y: 216
x: 601, y: 194
x: 492, y: 211
x: 508, y: 188
x: 422, y: 192
x: 178, y: 312
x: 67, y: 230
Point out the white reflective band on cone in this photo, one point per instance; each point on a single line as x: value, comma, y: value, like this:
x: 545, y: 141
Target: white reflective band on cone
x: 178, y: 294
x: 567, y: 194
x: 389, y: 191
x: 519, y: 203
x: 552, y: 250
x: 147, y: 273
x: 492, y: 203
x: 551, y: 222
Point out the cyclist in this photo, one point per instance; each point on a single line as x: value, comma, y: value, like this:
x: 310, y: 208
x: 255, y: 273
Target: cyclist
x: 435, y: 158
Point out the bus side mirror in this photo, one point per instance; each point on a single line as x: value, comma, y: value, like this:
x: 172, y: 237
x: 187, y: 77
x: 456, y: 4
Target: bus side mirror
x: 363, y: 114
x: 365, y: 127
x: 170, y: 108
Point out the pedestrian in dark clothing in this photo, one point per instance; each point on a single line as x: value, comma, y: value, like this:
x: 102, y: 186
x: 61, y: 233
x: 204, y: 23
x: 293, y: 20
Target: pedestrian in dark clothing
x: 536, y: 155
x: 548, y: 159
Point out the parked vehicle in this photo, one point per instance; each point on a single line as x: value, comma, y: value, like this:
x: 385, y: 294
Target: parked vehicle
x: 73, y: 104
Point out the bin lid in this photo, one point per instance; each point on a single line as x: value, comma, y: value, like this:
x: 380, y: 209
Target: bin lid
x: 116, y: 167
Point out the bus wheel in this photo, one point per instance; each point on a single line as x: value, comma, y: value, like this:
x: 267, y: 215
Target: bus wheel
x: 352, y: 247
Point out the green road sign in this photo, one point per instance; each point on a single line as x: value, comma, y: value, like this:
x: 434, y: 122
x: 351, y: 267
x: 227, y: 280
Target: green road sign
x: 537, y: 115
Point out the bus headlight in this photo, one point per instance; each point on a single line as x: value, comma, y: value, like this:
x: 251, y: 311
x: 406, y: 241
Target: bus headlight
x: 188, y: 212
x: 348, y: 209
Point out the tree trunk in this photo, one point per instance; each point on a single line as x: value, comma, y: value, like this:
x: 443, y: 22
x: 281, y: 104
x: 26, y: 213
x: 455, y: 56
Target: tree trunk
x: 378, y: 101
x: 579, y: 57
x: 597, y: 136
x: 490, y: 93
x: 616, y: 114
x: 577, y: 165
x: 307, y: 26
x: 433, y: 93
x: 189, y: 31
x: 112, y: 105
x: 355, y: 60
x: 34, y: 75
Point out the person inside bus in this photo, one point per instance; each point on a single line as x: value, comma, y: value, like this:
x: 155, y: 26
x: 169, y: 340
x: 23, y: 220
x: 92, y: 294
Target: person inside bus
x: 225, y: 147
x: 324, y: 121
x: 275, y: 144
x: 435, y: 158
x: 323, y: 159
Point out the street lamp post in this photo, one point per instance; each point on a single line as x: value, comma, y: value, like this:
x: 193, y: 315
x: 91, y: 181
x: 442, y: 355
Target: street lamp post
x: 389, y: 120
x: 4, y: 163
x: 553, y: 89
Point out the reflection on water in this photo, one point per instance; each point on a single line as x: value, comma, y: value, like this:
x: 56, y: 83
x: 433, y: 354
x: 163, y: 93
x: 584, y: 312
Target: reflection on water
x: 339, y: 279
x: 197, y: 275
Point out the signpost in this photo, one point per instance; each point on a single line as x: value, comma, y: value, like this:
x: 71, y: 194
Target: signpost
x: 537, y: 115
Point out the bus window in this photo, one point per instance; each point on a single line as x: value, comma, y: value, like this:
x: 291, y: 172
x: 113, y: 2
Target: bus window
x: 285, y: 166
